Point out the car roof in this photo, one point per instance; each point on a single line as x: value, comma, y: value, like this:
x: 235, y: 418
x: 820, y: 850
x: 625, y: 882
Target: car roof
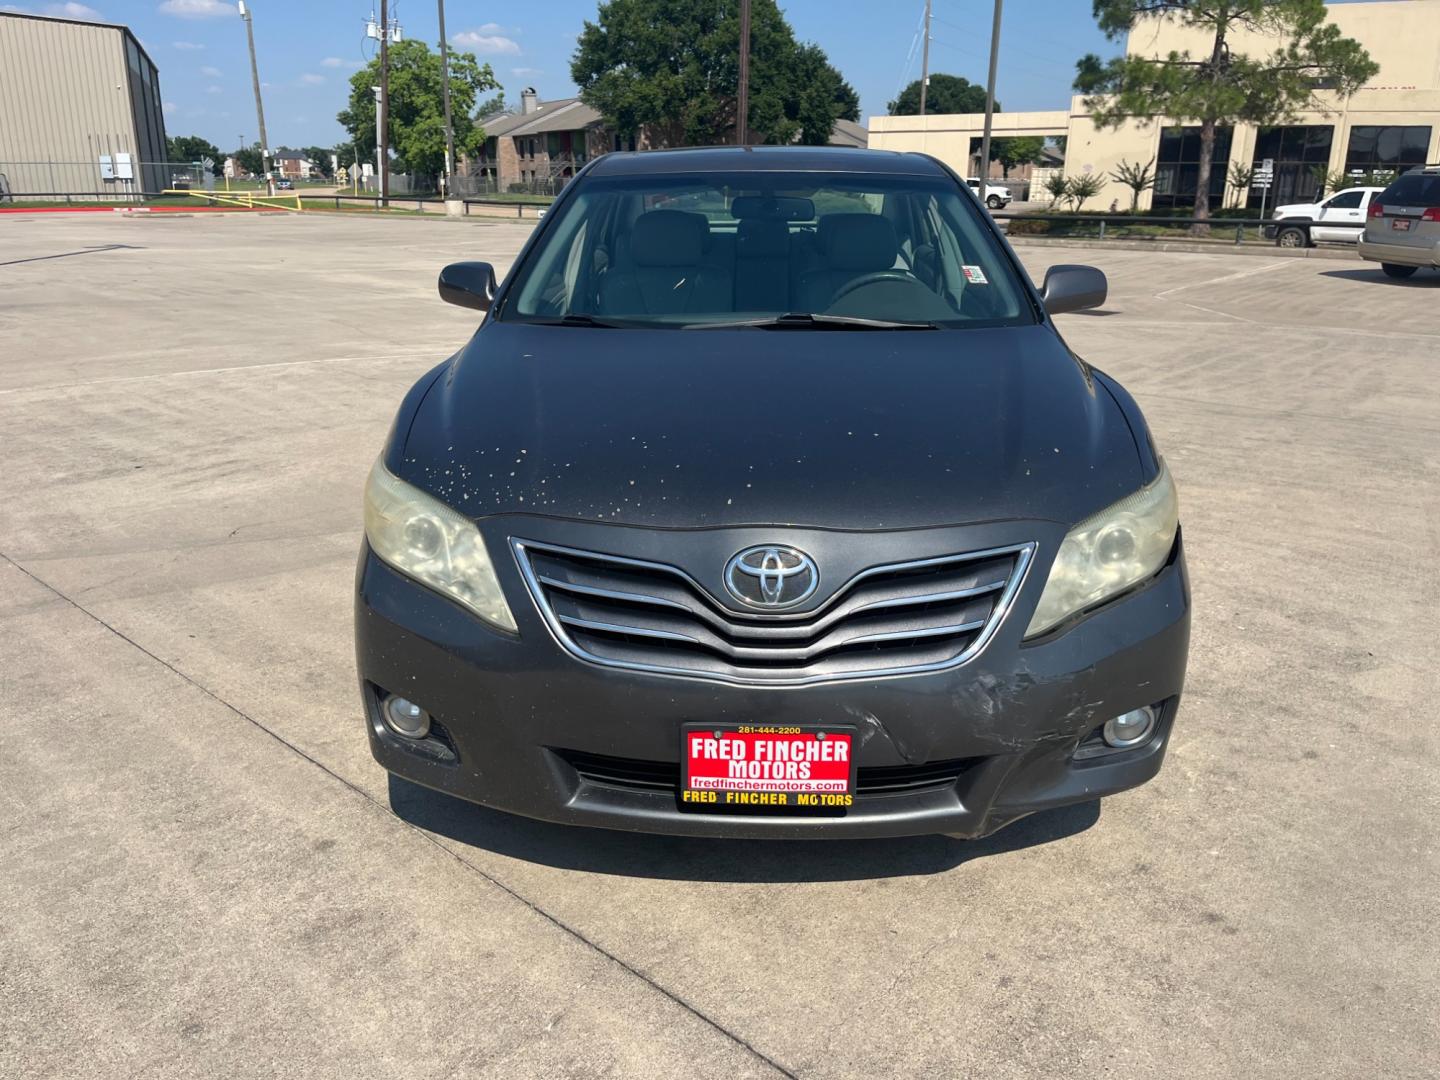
x: 700, y: 159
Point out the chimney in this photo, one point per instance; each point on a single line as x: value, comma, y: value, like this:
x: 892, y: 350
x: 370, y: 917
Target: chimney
x: 529, y: 103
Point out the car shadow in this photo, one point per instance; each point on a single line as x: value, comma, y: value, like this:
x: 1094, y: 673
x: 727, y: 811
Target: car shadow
x: 641, y: 855
x: 1419, y: 280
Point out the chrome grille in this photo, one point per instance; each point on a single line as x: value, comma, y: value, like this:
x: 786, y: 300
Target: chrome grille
x: 914, y: 616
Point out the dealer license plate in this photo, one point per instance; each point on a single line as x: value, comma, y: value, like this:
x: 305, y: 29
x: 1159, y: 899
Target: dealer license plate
x: 1400, y: 224
x: 760, y: 768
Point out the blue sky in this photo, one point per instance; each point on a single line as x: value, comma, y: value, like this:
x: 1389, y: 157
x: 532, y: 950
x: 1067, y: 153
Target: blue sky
x: 308, y: 49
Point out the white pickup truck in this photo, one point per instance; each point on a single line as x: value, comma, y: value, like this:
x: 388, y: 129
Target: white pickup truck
x: 995, y: 197
x: 1341, y: 218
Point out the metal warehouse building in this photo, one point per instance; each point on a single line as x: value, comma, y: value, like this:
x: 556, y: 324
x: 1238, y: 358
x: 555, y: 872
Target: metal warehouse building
x: 79, y: 109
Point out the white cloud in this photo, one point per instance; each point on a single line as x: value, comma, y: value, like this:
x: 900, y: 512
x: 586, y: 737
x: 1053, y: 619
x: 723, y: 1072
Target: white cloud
x: 211, y: 72
x: 332, y: 62
x: 72, y: 11
x: 525, y: 73
x: 198, y: 9
x: 493, y: 44
x: 168, y: 107
x: 187, y: 45
x: 309, y: 79
x: 213, y: 90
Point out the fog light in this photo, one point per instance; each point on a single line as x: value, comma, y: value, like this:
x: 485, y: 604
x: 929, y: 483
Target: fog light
x: 406, y: 718
x: 1129, y: 729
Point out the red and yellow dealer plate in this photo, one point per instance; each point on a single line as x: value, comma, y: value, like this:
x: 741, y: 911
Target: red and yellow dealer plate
x: 760, y: 767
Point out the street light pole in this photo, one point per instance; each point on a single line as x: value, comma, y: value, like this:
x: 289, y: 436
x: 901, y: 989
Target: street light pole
x: 925, y: 59
x: 989, y: 101
x: 382, y: 119
x: 742, y: 94
x: 445, y: 93
x: 259, y: 105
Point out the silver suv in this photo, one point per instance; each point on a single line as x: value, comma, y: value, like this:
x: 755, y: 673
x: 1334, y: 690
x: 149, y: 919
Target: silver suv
x: 1402, y: 229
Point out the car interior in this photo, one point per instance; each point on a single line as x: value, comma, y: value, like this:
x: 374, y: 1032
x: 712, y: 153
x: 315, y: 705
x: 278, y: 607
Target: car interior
x: 662, y: 257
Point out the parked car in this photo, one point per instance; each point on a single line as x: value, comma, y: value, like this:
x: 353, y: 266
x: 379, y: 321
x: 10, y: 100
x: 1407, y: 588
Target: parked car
x: 284, y: 184
x: 1402, y: 231
x: 1340, y: 218
x: 801, y: 522
x: 996, y: 197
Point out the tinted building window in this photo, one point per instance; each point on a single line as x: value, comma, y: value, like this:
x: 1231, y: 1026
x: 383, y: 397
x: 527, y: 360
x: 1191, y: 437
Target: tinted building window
x: 1386, y: 149
x: 1177, y: 167
x: 1298, y: 152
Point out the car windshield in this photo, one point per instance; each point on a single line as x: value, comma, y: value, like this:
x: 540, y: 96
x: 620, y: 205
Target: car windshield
x: 768, y: 249
x: 1413, y: 189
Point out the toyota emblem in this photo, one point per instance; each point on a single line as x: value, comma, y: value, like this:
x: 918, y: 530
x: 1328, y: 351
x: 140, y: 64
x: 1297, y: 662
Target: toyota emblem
x: 771, y: 576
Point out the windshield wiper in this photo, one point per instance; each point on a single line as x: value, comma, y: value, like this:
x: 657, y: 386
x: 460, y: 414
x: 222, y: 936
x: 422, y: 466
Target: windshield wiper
x: 805, y: 320
x: 576, y: 319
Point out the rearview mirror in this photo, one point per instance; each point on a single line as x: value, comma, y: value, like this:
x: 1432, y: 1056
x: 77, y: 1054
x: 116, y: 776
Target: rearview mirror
x: 1073, y: 288
x: 468, y: 284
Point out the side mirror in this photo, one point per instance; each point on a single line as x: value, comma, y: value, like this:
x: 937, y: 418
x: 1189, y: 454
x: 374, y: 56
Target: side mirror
x: 1073, y: 288
x: 468, y: 284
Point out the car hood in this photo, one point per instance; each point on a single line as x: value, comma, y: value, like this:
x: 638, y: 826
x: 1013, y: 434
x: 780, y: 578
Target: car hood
x: 829, y: 429
x: 1296, y: 210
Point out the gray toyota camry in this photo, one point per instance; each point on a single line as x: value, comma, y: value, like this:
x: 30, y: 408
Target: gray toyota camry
x: 767, y: 500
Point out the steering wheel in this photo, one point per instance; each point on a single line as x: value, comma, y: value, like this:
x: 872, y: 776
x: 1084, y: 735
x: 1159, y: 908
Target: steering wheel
x: 872, y: 278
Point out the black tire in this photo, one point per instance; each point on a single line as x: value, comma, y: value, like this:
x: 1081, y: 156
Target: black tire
x: 1398, y: 271
x: 994, y: 202
x: 1292, y: 236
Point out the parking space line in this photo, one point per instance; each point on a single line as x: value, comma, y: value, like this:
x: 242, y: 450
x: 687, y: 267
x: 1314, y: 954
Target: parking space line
x: 534, y: 906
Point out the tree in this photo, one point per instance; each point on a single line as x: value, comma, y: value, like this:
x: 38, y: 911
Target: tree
x: 1221, y: 86
x: 250, y: 159
x: 490, y: 106
x: 1082, y: 187
x: 1016, y: 151
x: 1138, y: 178
x: 417, y: 113
x: 946, y: 94
x: 319, y: 158
x: 671, y: 69
x: 183, y: 149
x: 1241, y: 178
x: 1056, y: 186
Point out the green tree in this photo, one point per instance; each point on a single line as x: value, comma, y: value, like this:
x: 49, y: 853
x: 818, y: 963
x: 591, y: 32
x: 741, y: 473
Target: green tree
x: 1241, y: 178
x: 946, y: 94
x: 1016, y: 151
x: 417, y: 113
x: 183, y: 149
x: 1056, y: 186
x: 250, y: 159
x: 1138, y: 178
x: 495, y: 103
x: 1082, y: 187
x: 319, y: 158
x: 671, y: 67
x: 1222, y: 85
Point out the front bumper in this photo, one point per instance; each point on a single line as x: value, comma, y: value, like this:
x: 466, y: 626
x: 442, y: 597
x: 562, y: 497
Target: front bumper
x: 521, y: 722
x: 1403, y: 254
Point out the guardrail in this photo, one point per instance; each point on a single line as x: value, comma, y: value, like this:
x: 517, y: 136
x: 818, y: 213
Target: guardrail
x: 245, y: 197
x: 1238, y: 224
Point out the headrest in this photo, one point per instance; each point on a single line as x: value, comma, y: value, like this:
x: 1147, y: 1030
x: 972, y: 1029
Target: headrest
x: 857, y: 241
x: 777, y: 207
x: 762, y: 238
x: 669, y: 238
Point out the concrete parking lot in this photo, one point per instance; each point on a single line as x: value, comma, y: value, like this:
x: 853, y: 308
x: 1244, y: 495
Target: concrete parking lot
x: 203, y: 873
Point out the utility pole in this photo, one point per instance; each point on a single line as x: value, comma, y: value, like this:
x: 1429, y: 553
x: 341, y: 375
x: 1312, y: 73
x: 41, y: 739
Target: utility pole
x: 445, y: 93
x: 989, y: 101
x: 742, y: 95
x: 259, y: 105
x: 382, y: 117
x: 924, y: 59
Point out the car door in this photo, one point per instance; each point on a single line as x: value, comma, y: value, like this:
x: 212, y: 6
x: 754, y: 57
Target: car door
x: 1342, y: 217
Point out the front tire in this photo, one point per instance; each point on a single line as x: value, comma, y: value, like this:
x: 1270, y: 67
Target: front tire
x: 994, y: 202
x: 1292, y: 236
x: 1397, y: 271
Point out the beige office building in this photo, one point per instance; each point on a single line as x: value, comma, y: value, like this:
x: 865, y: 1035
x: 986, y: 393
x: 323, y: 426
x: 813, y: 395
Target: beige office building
x: 1393, y: 123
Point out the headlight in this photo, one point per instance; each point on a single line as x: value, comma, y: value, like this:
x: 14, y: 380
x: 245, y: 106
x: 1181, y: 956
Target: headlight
x: 423, y: 538
x: 1108, y: 553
